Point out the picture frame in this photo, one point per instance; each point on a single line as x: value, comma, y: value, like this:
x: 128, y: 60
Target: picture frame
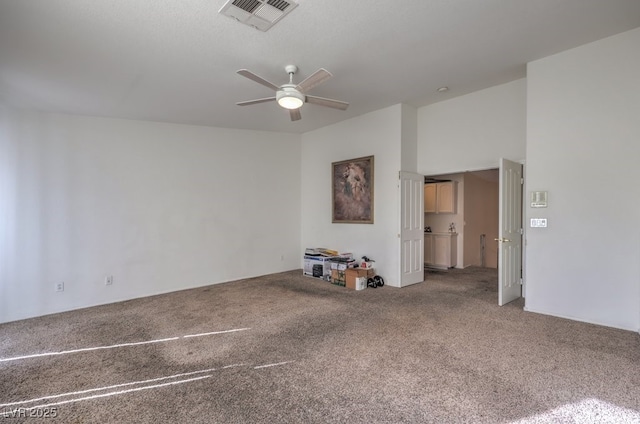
x: 352, y: 183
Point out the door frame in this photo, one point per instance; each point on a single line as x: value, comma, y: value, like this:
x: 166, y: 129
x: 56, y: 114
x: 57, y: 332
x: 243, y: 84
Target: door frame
x: 524, y: 197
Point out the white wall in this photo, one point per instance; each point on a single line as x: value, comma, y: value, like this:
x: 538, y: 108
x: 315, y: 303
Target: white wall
x: 472, y: 132
x: 377, y: 133
x: 409, y: 138
x: 161, y: 207
x: 583, y: 147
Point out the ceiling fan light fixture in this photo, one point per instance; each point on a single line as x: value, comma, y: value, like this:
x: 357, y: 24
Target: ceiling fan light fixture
x: 290, y: 98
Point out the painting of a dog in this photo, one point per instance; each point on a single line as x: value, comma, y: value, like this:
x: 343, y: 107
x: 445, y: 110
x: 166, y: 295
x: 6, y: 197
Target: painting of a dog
x: 352, y: 185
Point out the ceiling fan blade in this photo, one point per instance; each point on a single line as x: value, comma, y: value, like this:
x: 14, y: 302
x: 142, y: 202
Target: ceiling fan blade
x: 336, y: 104
x: 295, y: 114
x: 248, y: 74
x: 317, y: 78
x: 256, y: 101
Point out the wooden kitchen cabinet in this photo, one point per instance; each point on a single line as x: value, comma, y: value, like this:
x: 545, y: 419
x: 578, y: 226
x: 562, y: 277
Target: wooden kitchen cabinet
x: 441, y: 250
x: 430, y: 198
x: 440, y: 197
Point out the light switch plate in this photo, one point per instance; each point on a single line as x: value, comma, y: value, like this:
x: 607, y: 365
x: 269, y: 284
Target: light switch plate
x: 538, y: 222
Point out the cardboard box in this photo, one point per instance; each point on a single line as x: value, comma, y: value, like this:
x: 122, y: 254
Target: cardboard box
x: 361, y: 283
x: 310, y: 261
x: 352, y: 274
x: 338, y: 277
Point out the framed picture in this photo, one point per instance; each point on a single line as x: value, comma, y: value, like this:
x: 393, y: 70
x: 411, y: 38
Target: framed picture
x: 352, y: 191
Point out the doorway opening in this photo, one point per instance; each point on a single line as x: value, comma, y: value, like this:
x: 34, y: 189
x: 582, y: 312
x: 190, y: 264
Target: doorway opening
x: 481, y: 225
x: 474, y: 219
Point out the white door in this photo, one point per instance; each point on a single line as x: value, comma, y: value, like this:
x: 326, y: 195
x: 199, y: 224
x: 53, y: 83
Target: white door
x: 411, y: 228
x: 510, y: 232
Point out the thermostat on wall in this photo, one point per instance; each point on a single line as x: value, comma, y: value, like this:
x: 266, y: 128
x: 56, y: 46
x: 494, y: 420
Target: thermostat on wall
x: 538, y: 199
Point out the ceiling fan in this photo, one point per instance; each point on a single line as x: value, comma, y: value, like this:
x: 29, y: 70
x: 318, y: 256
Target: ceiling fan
x: 291, y: 96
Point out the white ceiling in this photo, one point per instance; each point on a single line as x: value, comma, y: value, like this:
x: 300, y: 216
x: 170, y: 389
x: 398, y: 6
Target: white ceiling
x: 175, y: 61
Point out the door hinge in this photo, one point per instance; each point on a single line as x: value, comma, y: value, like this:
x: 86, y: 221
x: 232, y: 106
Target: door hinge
x: 521, y: 231
x: 521, y: 281
x: 521, y: 181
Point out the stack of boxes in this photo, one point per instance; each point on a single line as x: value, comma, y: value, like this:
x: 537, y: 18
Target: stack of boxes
x: 344, y: 272
x: 340, y: 269
x: 356, y: 278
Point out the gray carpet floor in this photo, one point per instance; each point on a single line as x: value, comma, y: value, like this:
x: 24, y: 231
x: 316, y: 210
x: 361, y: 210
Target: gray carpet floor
x: 285, y: 348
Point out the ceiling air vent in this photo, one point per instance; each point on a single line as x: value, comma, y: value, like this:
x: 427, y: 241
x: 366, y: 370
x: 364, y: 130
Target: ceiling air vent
x: 260, y: 14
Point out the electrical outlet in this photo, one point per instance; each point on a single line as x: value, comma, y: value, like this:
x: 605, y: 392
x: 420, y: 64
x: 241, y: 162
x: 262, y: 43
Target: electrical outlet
x: 59, y: 287
x: 108, y: 280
